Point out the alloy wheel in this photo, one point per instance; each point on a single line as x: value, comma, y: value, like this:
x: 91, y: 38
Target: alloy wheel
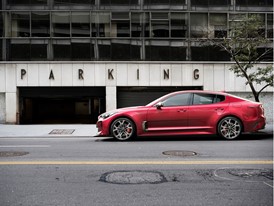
x: 230, y: 128
x: 122, y: 129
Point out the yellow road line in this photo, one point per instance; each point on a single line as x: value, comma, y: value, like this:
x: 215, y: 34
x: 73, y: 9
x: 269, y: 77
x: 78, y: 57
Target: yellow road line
x: 205, y: 162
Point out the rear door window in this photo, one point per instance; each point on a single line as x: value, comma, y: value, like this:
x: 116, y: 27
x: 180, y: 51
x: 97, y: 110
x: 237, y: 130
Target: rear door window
x: 201, y: 99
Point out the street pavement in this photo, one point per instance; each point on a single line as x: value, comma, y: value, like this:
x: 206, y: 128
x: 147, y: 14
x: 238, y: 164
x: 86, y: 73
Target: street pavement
x: 166, y: 171
x: 67, y: 130
x: 40, y: 168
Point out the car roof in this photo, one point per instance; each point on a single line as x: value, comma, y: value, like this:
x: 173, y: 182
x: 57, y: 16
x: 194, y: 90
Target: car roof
x: 189, y: 91
x: 201, y: 91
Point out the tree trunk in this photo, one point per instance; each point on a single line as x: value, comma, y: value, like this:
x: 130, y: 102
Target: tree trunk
x: 257, y: 98
x: 255, y: 94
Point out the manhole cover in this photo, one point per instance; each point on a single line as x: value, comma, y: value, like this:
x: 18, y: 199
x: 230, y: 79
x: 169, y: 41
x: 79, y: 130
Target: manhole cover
x: 12, y: 153
x: 133, y: 177
x: 62, y: 131
x: 180, y: 153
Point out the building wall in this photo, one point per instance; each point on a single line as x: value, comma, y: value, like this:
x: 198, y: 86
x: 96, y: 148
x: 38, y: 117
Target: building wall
x: 2, y: 108
x: 212, y: 76
x: 139, y: 30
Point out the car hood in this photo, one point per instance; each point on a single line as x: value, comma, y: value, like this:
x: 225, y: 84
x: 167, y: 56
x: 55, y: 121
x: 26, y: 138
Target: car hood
x: 129, y: 108
x: 125, y: 109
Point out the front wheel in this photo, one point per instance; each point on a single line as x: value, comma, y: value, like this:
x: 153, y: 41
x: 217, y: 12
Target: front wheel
x: 123, y: 129
x: 230, y: 128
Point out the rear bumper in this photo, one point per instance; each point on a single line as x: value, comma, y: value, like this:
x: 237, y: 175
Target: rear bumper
x: 260, y: 125
x: 254, y: 126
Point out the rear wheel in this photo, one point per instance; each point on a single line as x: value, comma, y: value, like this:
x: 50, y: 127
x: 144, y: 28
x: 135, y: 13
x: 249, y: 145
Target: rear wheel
x: 123, y: 129
x: 230, y: 128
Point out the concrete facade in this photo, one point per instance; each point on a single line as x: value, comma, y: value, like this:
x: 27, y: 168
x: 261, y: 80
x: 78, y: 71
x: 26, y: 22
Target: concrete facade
x: 2, y: 108
x: 211, y: 76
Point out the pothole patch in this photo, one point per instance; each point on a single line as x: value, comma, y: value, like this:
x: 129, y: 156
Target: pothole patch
x: 246, y: 174
x: 180, y: 153
x: 252, y: 173
x: 133, y: 177
x: 12, y: 153
x: 62, y: 131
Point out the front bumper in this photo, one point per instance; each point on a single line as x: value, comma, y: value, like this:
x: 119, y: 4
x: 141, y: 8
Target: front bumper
x: 102, y: 127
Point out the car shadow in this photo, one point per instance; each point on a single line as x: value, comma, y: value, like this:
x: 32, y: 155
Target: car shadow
x: 243, y: 137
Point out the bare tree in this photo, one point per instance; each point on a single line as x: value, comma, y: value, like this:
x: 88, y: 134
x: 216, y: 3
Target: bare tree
x: 247, y: 45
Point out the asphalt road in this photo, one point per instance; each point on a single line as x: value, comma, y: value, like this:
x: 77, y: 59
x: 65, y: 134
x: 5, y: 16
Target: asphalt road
x: 100, y: 171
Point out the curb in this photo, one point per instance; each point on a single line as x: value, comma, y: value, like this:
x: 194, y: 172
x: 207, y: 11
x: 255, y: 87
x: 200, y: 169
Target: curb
x: 52, y: 137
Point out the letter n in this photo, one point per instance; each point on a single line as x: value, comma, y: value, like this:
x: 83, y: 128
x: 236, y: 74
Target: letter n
x: 166, y: 73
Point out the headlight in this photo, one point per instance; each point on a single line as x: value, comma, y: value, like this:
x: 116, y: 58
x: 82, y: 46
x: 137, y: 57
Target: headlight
x: 107, y: 114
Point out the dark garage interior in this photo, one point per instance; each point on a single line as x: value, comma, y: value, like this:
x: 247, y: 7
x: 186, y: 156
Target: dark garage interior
x: 61, y: 105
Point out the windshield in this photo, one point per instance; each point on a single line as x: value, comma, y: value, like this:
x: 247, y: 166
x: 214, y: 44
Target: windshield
x: 158, y: 100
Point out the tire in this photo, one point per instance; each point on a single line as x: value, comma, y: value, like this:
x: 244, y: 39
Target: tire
x: 123, y: 129
x: 230, y: 128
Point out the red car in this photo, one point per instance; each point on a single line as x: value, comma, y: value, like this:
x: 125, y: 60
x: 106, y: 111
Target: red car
x: 185, y: 113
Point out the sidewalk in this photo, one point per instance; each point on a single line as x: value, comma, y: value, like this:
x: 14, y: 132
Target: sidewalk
x: 59, y: 130
x: 75, y: 130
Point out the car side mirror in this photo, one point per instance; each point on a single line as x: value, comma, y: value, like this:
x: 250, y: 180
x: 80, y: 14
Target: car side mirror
x: 159, y: 105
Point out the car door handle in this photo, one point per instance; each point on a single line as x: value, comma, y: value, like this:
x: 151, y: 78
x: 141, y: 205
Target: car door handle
x: 219, y: 109
x: 182, y: 110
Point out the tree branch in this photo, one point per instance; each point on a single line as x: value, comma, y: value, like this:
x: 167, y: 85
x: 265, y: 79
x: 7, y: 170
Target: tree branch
x: 263, y: 89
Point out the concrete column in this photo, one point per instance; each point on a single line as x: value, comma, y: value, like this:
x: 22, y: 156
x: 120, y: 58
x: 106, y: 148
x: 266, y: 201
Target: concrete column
x: 2, y: 108
x: 111, y: 98
x: 11, y: 107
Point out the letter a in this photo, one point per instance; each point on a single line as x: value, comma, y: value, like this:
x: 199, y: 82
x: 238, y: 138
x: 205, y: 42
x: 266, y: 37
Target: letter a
x: 51, y: 76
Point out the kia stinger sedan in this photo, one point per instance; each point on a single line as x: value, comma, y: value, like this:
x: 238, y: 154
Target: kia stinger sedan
x: 185, y: 113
